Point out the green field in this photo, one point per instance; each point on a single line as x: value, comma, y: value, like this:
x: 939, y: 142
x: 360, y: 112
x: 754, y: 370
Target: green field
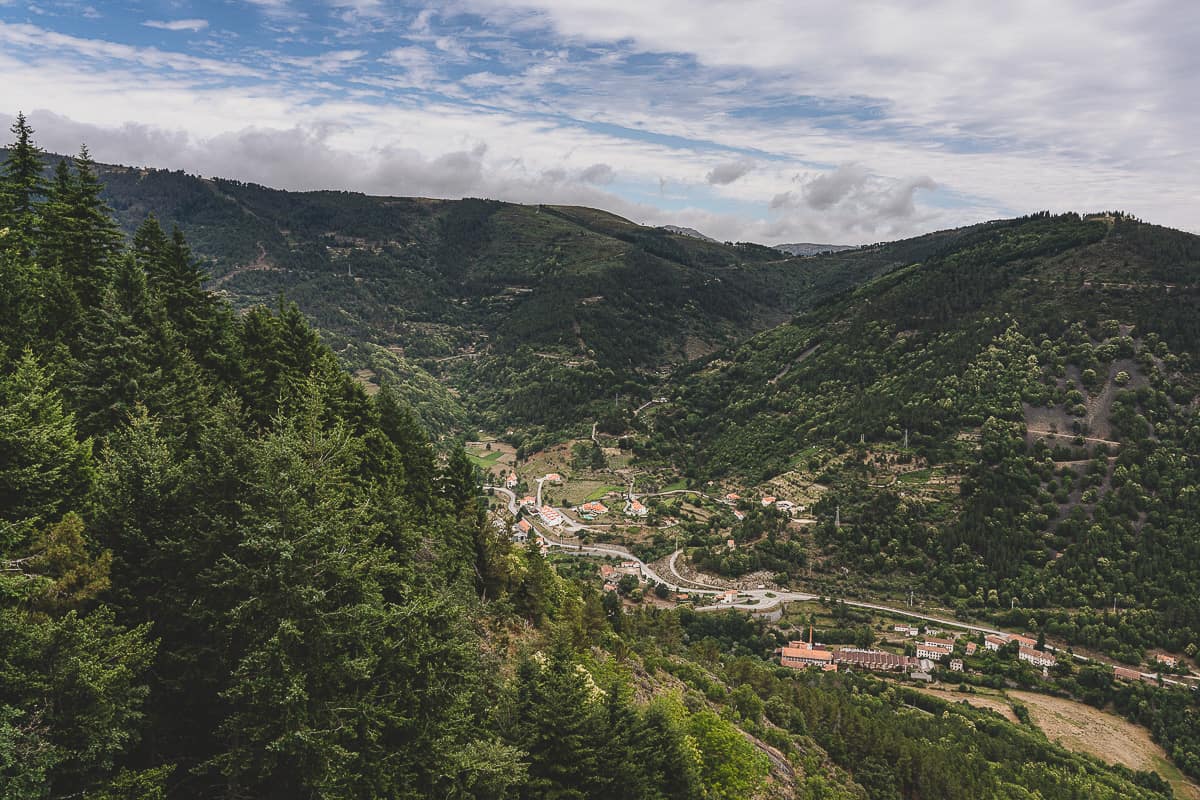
x: 599, y: 492
x: 485, y: 462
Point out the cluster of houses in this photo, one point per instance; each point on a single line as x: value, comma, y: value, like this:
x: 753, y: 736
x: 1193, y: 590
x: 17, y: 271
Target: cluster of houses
x: 1026, y: 648
x: 786, y: 506
x: 929, y: 650
x: 803, y: 655
x: 1129, y: 674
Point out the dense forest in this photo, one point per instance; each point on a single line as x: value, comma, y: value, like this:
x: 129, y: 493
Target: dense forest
x: 225, y: 571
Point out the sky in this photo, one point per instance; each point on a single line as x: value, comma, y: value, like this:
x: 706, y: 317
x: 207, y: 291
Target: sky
x: 762, y: 120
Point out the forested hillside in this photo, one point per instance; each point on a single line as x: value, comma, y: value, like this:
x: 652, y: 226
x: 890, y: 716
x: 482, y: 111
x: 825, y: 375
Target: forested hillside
x: 227, y: 572
x: 1007, y: 424
x: 539, y: 317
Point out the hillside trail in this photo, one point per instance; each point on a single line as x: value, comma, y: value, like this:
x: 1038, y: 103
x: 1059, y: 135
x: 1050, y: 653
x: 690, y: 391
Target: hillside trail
x: 259, y: 264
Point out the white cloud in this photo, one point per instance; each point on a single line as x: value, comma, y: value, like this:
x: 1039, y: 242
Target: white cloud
x: 192, y: 25
x: 598, y: 174
x: 323, y: 63
x: 31, y: 36
x: 829, y: 189
x: 852, y: 117
x: 1085, y: 99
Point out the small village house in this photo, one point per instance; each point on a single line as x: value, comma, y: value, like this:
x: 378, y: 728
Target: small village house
x: 1126, y: 674
x: 993, y: 643
x: 936, y: 642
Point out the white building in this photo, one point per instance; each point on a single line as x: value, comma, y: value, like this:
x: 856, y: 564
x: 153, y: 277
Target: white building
x: 1035, y: 657
x: 933, y: 652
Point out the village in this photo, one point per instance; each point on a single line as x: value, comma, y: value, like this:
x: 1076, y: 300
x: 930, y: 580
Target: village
x: 589, y: 514
x: 930, y: 650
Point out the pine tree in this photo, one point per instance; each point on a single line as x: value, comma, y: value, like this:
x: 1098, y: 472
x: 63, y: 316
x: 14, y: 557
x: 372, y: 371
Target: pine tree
x: 92, y: 238
x: 45, y: 469
x: 562, y: 727
x: 22, y: 187
x: 400, y: 425
x: 151, y: 246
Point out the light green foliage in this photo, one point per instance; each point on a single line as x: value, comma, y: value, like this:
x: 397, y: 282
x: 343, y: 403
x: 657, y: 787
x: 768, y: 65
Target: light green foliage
x: 730, y: 767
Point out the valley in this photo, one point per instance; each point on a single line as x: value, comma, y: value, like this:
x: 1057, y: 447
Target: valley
x: 736, y: 489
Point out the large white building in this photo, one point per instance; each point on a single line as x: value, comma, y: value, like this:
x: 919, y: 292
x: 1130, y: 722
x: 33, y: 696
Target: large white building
x: 934, y: 652
x: 1036, y: 657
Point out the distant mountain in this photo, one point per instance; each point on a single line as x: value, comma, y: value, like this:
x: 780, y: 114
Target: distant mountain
x: 809, y: 249
x: 692, y: 232
x: 526, y: 319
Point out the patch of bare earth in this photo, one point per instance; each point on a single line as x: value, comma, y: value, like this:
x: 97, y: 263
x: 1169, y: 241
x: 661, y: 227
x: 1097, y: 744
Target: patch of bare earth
x: 1080, y: 727
x: 991, y: 702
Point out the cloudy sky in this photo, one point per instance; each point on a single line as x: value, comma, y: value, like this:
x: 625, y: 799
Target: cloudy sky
x: 764, y: 120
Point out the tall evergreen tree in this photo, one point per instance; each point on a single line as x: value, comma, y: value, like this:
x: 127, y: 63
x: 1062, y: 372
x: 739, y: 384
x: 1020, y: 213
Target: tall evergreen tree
x: 45, y: 468
x: 93, y: 238
x: 22, y: 186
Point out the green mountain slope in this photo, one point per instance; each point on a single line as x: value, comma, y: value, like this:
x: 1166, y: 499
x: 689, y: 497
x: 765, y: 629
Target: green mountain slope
x: 538, y: 316
x: 598, y: 302
x: 1043, y: 374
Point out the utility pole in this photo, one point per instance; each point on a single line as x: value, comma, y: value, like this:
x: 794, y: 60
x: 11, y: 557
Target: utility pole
x: 906, y: 438
x: 837, y: 517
